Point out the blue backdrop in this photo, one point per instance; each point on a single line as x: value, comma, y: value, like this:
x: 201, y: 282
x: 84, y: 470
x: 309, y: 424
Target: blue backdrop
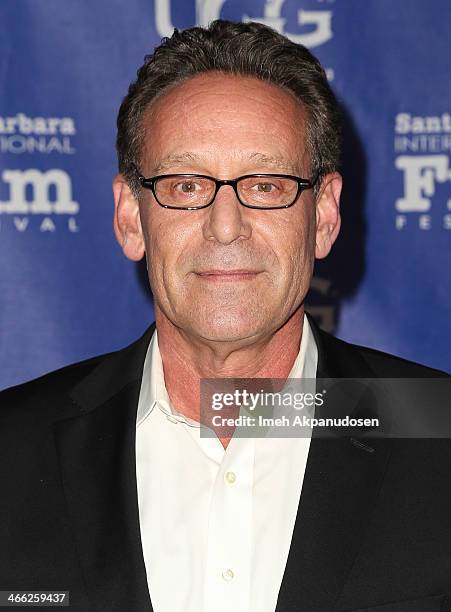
x: 68, y: 293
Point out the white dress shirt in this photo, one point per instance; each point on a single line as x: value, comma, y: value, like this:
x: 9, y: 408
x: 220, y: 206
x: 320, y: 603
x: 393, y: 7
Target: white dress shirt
x: 216, y: 524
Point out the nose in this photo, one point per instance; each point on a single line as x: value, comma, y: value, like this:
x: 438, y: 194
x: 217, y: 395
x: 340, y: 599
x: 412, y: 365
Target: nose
x: 226, y: 220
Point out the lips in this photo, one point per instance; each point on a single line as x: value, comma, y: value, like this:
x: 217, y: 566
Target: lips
x: 239, y: 274
x: 227, y: 272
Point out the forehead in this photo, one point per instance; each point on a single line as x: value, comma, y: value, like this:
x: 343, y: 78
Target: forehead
x: 219, y: 117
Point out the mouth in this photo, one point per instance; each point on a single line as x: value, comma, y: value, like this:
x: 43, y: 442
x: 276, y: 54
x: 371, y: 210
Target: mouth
x: 227, y: 275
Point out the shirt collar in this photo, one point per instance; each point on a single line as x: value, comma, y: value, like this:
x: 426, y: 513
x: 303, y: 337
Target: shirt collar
x: 153, y: 389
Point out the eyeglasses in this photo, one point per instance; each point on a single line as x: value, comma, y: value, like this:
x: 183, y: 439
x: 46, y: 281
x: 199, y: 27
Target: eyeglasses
x: 196, y: 191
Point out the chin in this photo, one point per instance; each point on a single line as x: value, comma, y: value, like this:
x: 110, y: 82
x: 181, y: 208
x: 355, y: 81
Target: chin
x: 227, y: 329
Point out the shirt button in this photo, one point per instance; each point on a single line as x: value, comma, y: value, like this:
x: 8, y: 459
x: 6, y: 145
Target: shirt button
x: 228, y: 575
x: 230, y: 477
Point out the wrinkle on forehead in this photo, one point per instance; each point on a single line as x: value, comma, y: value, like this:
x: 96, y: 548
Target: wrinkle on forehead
x: 272, y: 162
x: 213, y: 103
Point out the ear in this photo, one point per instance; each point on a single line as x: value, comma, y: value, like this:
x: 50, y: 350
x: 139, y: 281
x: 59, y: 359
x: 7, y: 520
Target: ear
x: 127, y: 222
x: 328, y: 220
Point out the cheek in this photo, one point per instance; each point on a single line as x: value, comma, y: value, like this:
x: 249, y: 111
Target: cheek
x: 294, y: 245
x: 301, y: 260
x: 168, y: 240
x: 155, y: 232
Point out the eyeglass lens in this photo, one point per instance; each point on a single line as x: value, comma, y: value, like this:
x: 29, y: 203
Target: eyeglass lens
x: 198, y: 191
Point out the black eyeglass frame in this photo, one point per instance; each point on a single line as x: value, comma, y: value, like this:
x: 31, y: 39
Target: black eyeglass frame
x: 149, y: 183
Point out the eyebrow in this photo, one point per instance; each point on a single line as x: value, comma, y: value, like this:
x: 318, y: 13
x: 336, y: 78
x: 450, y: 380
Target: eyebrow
x: 170, y: 161
x: 260, y: 159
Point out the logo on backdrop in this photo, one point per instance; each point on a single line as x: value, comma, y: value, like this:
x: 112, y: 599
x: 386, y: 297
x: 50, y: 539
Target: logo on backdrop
x: 37, y: 198
x: 317, y: 23
x: 422, y: 146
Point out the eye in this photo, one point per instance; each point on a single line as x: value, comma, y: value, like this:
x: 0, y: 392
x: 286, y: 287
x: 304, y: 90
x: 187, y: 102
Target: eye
x: 263, y: 186
x: 187, y: 187
x: 266, y: 187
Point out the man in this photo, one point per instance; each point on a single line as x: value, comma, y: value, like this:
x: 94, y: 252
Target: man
x: 228, y: 146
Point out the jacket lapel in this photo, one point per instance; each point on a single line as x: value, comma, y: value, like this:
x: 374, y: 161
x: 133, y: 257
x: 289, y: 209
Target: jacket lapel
x: 341, y: 484
x: 96, y: 449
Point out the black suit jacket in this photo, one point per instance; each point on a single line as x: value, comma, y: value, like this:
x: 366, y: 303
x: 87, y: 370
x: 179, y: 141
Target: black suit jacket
x: 373, y: 529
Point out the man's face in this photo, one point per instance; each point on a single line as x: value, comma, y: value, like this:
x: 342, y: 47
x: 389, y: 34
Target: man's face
x: 226, y: 272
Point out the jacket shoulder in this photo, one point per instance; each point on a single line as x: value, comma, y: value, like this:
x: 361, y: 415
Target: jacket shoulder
x: 384, y: 365
x: 50, y: 389
x: 340, y: 359
x: 392, y: 365
x: 64, y: 376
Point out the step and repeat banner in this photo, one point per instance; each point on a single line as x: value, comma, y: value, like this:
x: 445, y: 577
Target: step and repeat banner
x: 66, y: 290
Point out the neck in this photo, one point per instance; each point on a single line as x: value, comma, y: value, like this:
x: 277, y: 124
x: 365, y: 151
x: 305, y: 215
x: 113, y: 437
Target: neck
x: 187, y: 359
